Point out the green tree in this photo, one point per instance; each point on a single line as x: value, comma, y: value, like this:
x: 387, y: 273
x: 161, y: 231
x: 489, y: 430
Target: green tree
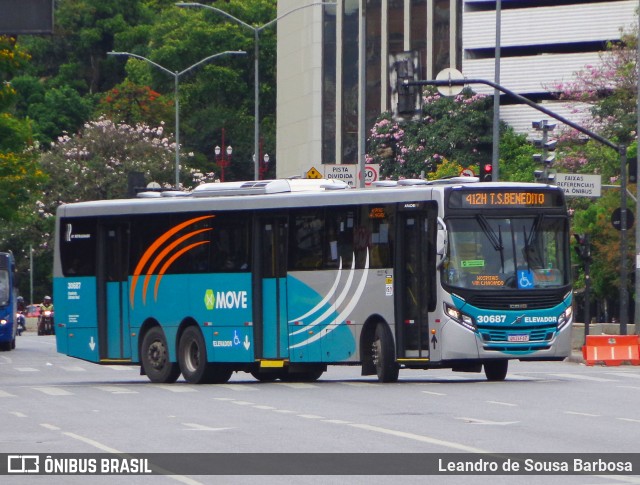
x: 609, y: 92
x: 219, y: 94
x: 18, y: 170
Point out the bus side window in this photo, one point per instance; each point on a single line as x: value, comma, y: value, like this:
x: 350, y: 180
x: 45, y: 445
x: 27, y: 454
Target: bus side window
x: 339, y: 238
x: 306, y: 240
x: 78, y: 247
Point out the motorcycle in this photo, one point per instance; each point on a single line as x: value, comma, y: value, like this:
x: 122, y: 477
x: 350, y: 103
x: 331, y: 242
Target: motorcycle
x: 45, y: 323
x: 21, y: 323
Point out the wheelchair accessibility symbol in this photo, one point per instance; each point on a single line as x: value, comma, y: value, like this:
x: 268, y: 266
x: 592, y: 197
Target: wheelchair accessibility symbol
x: 525, y: 279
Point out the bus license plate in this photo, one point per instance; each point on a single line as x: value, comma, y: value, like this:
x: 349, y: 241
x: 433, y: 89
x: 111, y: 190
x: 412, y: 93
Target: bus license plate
x: 518, y: 338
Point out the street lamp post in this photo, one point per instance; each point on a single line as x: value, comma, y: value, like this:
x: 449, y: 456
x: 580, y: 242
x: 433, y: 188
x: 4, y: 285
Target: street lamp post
x: 264, y: 166
x: 256, y: 35
x: 176, y: 77
x: 223, y: 160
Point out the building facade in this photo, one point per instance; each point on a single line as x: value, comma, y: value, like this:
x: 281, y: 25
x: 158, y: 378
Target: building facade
x: 328, y: 99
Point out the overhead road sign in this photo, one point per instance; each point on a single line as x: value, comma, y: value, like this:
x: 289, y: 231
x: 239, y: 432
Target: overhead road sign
x: 579, y: 185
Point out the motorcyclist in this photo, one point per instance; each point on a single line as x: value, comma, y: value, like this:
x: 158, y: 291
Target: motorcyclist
x: 46, y: 306
x: 20, y: 318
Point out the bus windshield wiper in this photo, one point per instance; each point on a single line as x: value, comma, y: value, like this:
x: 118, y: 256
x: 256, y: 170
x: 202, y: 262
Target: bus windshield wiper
x: 496, y: 240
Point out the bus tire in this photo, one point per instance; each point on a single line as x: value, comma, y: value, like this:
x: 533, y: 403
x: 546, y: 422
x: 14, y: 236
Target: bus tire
x: 192, y: 356
x: 384, y: 355
x: 217, y: 374
x: 496, y: 370
x: 265, y: 376
x: 154, y: 356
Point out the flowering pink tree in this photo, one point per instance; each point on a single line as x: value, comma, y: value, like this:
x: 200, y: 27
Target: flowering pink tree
x: 455, y: 129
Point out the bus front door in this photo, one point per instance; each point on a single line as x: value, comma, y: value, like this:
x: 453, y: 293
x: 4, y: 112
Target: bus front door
x: 270, y: 289
x: 112, y: 288
x: 414, y: 280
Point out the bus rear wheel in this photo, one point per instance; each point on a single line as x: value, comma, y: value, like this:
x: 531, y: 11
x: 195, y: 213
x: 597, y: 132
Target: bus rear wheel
x: 217, y: 374
x: 192, y: 356
x: 383, y: 355
x: 496, y: 370
x: 155, y: 358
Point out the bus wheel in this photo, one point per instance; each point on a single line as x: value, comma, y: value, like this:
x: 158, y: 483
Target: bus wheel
x: 265, y: 376
x: 192, y: 356
x: 383, y: 355
x: 217, y: 374
x: 496, y: 370
x: 155, y: 358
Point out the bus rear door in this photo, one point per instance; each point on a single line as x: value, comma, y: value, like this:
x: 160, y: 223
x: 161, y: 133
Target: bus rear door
x: 270, y: 288
x: 113, y: 288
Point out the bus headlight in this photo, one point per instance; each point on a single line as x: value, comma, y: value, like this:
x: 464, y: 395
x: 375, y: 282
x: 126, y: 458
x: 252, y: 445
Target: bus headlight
x: 460, y: 317
x: 565, y: 317
x: 3, y: 322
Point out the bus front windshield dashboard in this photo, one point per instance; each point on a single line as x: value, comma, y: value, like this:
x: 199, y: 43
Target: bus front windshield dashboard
x: 489, y: 253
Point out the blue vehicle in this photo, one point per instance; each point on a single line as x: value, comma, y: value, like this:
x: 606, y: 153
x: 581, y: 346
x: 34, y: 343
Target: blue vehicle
x: 8, y: 324
x: 281, y: 278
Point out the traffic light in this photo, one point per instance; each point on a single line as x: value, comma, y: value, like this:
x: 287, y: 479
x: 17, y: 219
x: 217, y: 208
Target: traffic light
x: 547, y: 157
x: 486, y: 172
x: 406, y: 99
x: 633, y: 169
x: 583, y: 247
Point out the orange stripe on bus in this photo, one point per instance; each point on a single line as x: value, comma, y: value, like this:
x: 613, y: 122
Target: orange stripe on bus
x: 156, y: 244
x: 162, y: 255
x: 169, y: 262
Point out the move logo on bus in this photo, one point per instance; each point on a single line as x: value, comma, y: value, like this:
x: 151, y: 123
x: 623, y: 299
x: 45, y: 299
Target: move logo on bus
x: 225, y: 299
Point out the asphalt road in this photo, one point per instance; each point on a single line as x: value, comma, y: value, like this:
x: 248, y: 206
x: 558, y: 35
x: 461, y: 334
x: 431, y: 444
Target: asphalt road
x: 50, y: 403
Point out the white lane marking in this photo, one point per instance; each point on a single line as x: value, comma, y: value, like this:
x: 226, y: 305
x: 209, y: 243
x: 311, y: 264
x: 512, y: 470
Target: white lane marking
x: 576, y: 413
x: 310, y: 416
x: 501, y: 403
x: 336, y: 421
x: 361, y: 384
x: 50, y: 426
x: 262, y: 406
x: 201, y: 427
x: 431, y: 393
x: 630, y: 420
x: 27, y: 369
x: 584, y: 378
x: 175, y: 388
x: 108, y: 449
x: 6, y: 394
x: 243, y: 403
x: 122, y: 367
x: 486, y: 421
x: 238, y: 387
x: 18, y: 414
x: 421, y: 438
x: 297, y: 385
x: 53, y: 391
x: 116, y: 390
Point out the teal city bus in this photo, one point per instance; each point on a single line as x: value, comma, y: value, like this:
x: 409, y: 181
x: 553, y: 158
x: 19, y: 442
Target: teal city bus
x: 280, y: 278
x: 8, y: 293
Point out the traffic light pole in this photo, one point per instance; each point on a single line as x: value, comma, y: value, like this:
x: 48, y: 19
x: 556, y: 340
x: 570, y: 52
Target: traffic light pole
x: 621, y: 149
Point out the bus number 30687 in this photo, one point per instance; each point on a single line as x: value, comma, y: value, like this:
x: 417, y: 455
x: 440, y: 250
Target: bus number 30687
x: 492, y: 318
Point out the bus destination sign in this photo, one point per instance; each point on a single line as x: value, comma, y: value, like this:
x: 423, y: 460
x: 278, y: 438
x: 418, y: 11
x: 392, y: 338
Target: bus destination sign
x: 503, y: 199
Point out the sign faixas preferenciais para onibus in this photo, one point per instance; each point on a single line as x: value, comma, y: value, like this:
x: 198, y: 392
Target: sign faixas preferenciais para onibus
x: 579, y: 184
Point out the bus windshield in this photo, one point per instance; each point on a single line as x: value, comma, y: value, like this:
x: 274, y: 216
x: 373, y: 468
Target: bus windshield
x: 488, y: 253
